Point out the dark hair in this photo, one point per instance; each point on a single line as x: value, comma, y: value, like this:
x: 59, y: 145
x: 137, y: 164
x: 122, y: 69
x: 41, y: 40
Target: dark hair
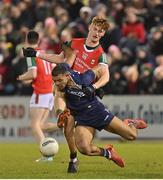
x: 60, y: 69
x: 32, y: 37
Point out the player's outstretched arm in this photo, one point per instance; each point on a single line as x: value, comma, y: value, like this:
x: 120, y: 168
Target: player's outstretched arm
x: 68, y: 55
x: 53, y: 58
x: 60, y: 108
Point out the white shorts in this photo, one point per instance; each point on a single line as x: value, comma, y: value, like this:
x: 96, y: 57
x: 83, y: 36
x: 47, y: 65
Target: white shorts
x: 42, y: 101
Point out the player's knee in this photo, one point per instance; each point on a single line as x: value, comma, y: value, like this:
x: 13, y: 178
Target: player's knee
x: 31, y: 124
x: 43, y: 125
x: 131, y: 136
x: 84, y: 149
x: 34, y: 125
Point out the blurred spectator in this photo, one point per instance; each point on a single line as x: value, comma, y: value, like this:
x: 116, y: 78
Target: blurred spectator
x: 113, y: 36
x: 154, y: 17
x: 26, y: 14
x: 51, y: 32
x: 118, y: 82
x: 158, y: 76
x: 5, y: 64
x: 63, y: 20
x: 133, y: 27
x: 66, y: 35
x: 145, y: 63
x: 156, y: 41
x: 42, y: 10
x: 117, y: 11
x: 100, y: 10
x: 146, y: 79
x: 74, y: 7
x: 139, y: 7
x: 18, y: 67
x: 4, y: 69
x: 84, y: 19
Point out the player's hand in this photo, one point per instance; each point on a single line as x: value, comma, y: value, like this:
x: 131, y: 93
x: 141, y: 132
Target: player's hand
x: 64, y: 45
x: 67, y: 49
x: 89, y: 91
x: 62, y: 118
x: 29, y: 52
x: 100, y: 93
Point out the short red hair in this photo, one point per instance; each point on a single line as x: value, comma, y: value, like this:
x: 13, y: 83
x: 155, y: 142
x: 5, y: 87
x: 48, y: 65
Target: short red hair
x: 101, y: 22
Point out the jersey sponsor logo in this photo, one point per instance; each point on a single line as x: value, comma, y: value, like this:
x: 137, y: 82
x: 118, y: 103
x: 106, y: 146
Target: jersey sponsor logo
x: 92, y: 61
x: 81, y: 63
x: 84, y: 56
x: 80, y: 94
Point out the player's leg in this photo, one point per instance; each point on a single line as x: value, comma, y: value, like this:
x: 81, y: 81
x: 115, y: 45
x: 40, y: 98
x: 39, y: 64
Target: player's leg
x: 83, y: 138
x: 69, y: 135
x: 39, y: 116
x: 36, y: 115
x: 117, y: 126
x: 39, y: 105
x: 59, y: 104
x: 47, y: 101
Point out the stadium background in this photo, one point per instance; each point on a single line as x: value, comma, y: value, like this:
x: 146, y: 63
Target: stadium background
x: 134, y: 45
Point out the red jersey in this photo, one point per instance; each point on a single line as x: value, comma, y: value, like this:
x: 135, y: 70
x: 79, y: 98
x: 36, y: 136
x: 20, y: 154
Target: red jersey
x: 86, y: 59
x: 43, y: 83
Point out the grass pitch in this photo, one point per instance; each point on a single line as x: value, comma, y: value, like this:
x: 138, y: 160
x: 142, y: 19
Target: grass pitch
x: 143, y: 160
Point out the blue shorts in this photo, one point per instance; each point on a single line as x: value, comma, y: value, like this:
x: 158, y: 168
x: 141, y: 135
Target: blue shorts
x: 96, y: 116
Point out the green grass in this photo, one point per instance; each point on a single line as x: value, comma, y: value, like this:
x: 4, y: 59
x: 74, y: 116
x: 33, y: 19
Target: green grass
x: 143, y: 160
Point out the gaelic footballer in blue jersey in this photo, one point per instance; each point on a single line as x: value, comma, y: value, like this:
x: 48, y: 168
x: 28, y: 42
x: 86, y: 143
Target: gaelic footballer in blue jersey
x: 90, y: 114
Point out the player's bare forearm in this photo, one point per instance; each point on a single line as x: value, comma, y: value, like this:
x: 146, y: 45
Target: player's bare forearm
x: 102, y: 74
x: 70, y: 55
x: 53, y: 58
x: 29, y: 75
x: 59, y: 102
x: 26, y: 82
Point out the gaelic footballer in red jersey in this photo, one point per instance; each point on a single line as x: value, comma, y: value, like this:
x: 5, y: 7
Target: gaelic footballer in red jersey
x: 42, y: 100
x: 43, y: 82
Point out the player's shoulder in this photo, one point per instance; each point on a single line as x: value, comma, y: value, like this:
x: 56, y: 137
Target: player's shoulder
x: 100, y: 49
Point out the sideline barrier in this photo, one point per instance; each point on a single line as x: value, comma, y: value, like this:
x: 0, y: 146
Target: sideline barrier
x: 149, y: 108
x: 14, y: 120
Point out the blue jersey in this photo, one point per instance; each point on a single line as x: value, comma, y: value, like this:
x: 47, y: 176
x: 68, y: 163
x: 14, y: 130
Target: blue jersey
x: 76, y: 99
x: 87, y: 112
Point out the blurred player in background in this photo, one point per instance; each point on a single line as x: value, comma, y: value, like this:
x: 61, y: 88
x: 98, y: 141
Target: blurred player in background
x: 89, y: 54
x: 42, y: 100
x: 90, y: 114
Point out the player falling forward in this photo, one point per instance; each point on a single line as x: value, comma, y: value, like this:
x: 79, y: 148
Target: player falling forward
x: 89, y: 54
x: 42, y: 100
x: 90, y: 114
